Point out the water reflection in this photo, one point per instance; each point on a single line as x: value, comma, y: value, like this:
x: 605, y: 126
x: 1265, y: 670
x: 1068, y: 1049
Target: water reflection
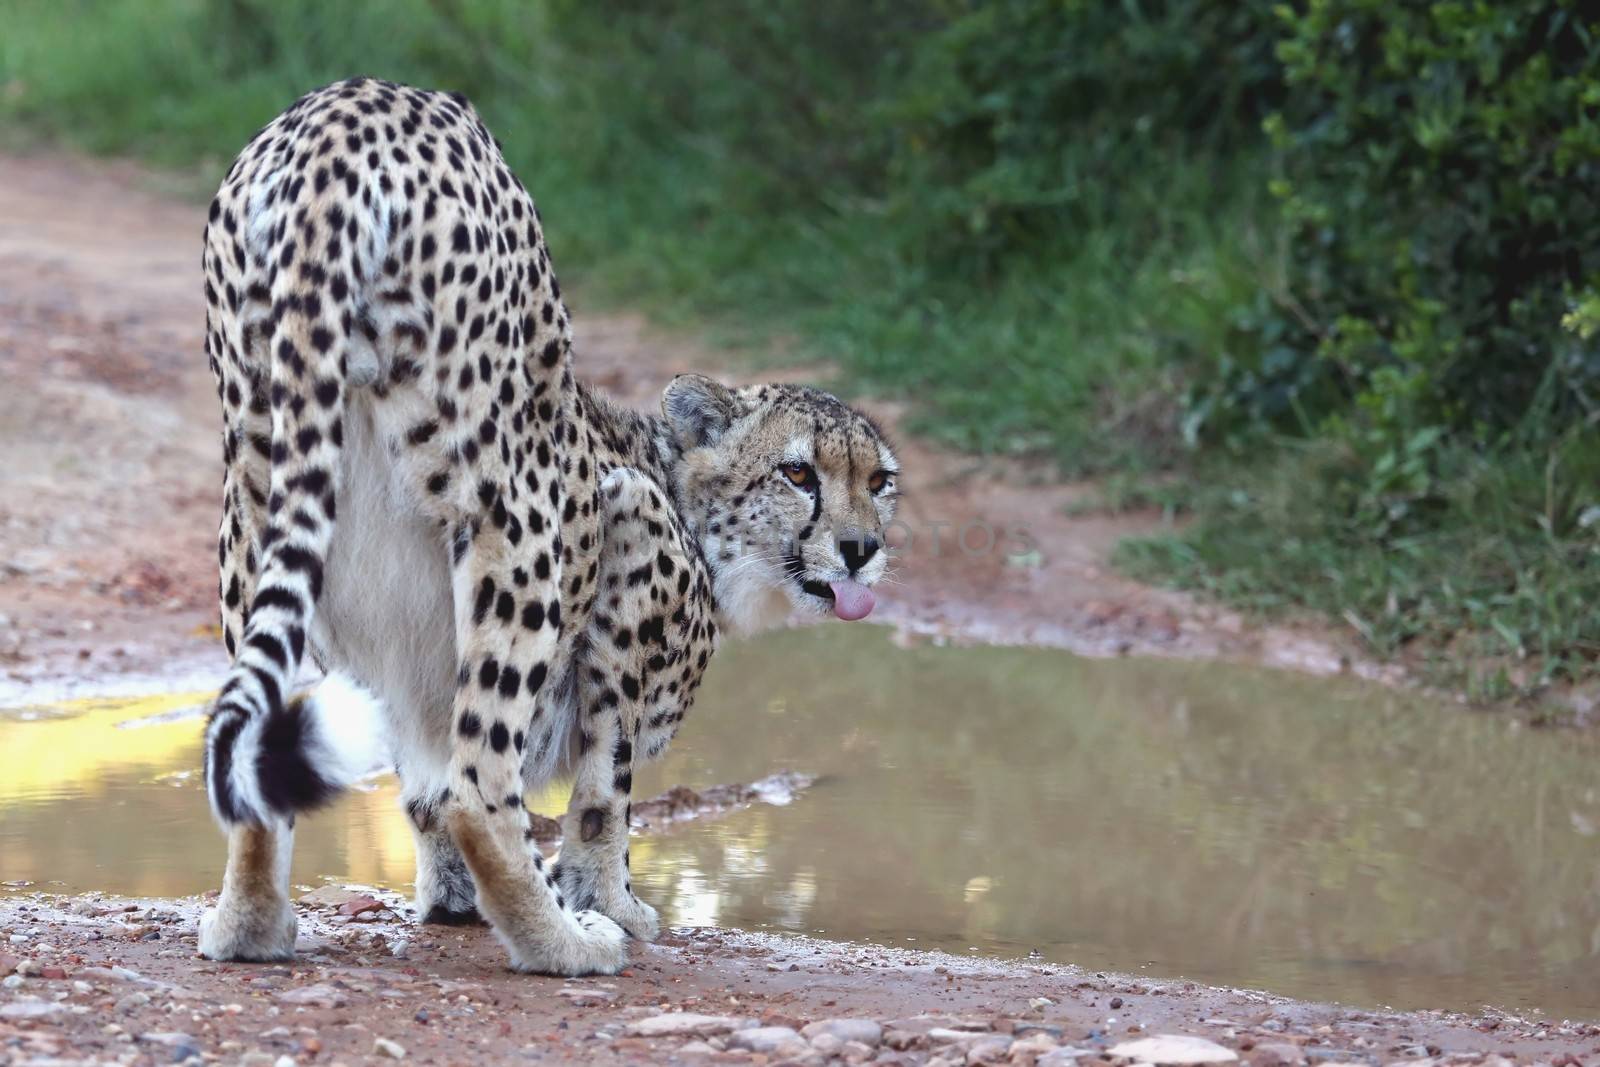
x: 1315, y: 838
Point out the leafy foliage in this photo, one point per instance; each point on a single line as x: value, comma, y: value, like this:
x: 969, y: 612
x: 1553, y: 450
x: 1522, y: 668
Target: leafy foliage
x: 1341, y: 258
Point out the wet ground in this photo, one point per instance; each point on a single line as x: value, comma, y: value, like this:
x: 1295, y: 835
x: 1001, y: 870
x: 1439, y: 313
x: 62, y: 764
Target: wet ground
x: 1238, y: 827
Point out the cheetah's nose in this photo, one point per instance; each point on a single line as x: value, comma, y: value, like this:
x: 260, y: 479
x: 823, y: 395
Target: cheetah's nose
x: 857, y: 548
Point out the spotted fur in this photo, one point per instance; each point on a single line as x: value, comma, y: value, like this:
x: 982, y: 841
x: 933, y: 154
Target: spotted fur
x: 510, y: 577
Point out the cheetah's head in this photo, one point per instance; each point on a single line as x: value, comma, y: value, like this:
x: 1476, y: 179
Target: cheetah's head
x: 789, y: 491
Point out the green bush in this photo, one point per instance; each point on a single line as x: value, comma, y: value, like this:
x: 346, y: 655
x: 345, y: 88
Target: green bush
x: 1439, y: 167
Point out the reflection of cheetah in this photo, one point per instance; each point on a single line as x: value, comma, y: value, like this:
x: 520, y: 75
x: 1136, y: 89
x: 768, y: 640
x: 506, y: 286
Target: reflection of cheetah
x: 522, y: 579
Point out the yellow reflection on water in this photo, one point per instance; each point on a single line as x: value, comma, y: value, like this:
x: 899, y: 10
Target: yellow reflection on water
x: 106, y: 793
x: 71, y: 746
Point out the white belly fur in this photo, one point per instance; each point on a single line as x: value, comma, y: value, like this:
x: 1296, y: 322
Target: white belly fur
x: 385, y: 615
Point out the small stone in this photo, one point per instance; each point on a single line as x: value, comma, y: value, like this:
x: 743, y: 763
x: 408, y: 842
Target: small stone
x: 332, y: 896
x: 1062, y: 1057
x: 684, y: 1024
x: 1116, y: 1002
x: 1174, y: 1050
x: 586, y: 995
x: 390, y: 1049
x: 764, y: 1039
x: 941, y: 1035
x: 182, y: 1046
x: 319, y: 995
x: 1040, y: 1003
x: 360, y: 905
x: 866, y: 1031
x: 30, y: 1009
x: 991, y: 1049
x: 285, y: 1061
x: 12, y: 981
x: 29, y: 968
x: 698, y: 1048
x: 1036, y: 1043
x: 900, y: 1040
x: 132, y: 1001
x: 1276, y: 1054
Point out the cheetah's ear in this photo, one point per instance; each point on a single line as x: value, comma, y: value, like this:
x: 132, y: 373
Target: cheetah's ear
x: 699, y: 409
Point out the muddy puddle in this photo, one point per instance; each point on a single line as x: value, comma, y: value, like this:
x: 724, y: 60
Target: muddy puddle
x: 1315, y: 838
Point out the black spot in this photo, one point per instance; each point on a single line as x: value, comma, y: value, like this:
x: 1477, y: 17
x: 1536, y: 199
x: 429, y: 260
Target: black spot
x: 480, y: 606
x: 499, y: 737
x: 470, y: 725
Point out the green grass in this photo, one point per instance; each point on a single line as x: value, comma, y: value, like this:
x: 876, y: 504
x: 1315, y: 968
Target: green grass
x: 1492, y: 595
x: 706, y: 192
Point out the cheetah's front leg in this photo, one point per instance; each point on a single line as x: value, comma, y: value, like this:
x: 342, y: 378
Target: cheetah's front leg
x: 592, y: 869
x: 506, y: 636
x: 651, y: 636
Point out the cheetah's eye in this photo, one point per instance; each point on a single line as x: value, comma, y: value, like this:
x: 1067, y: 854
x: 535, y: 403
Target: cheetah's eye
x: 878, y: 480
x: 800, y: 474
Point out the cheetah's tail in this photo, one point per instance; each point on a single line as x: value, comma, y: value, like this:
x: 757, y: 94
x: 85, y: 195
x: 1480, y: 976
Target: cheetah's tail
x: 301, y: 754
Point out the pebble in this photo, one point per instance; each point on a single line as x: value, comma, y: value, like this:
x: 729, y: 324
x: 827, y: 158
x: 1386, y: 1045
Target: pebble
x: 866, y: 1031
x: 183, y: 1046
x: 990, y: 1049
x: 319, y: 995
x: 1061, y: 1057
x: 945, y: 1036
x: 1037, y: 1043
x: 29, y: 968
x: 684, y: 1024
x: 391, y: 1049
x: 132, y: 1001
x: 1277, y: 1053
x: 30, y: 1009
x: 12, y: 981
x: 1174, y: 1050
x: 765, y: 1039
x: 902, y: 1039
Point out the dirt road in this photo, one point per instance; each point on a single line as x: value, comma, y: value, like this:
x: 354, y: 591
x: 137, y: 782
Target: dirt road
x: 108, y: 504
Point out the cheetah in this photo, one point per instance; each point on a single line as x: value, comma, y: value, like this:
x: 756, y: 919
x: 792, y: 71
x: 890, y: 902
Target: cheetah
x: 503, y: 576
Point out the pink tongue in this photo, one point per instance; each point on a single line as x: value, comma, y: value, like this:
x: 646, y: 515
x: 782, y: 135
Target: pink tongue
x: 851, y: 600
